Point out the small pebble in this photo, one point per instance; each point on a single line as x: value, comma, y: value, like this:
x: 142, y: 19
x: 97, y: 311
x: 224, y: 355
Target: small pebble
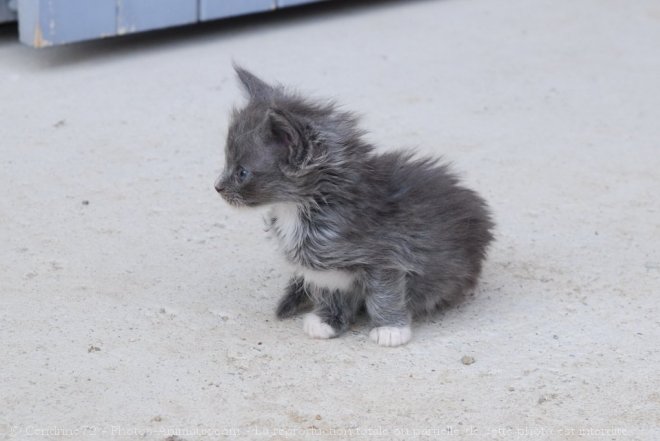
x: 85, y: 202
x: 543, y: 398
x: 467, y: 360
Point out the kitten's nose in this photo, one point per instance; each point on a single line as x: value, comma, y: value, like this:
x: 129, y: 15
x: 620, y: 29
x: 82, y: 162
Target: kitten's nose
x: 219, y: 186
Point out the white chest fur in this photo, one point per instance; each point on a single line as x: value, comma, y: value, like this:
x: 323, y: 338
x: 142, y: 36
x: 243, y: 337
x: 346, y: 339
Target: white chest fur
x: 329, y: 279
x: 287, y: 226
x: 289, y: 231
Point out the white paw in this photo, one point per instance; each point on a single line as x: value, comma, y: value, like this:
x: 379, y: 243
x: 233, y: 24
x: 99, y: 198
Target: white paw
x: 390, y: 335
x: 315, y: 328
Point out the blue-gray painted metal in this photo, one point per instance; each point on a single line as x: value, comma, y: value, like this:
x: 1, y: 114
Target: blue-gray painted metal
x: 143, y: 15
x: 47, y: 22
x: 50, y: 22
x: 212, y: 9
x: 7, y: 11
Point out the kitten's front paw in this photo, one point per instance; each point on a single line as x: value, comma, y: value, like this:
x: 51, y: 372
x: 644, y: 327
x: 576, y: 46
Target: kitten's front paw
x: 391, y: 335
x: 315, y: 328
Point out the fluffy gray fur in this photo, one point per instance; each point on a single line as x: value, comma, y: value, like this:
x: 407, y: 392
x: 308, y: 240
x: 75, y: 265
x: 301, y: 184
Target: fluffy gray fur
x: 412, y: 237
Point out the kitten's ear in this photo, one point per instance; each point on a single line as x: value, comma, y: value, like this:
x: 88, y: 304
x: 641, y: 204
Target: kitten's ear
x: 283, y: 127
x: 255, y: 87
x: 287, y: 132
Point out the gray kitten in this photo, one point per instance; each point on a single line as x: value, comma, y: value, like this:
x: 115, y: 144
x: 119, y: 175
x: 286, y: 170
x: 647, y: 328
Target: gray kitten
x: 387, y: 233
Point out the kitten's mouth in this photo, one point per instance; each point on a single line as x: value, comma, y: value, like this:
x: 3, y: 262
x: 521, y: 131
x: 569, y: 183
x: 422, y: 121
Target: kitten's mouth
x: 234, y: 200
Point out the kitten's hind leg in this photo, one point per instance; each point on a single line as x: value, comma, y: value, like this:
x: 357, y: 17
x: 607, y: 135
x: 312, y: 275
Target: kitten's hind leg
x: 386, y: 306
x: 294, y: 301
x: 333, y: 314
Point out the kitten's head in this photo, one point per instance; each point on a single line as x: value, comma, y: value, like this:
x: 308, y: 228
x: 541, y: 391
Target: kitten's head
x: 280, y: 147
x: 257, y: 149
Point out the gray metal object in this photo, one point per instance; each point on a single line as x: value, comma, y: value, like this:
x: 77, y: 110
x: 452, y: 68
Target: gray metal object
x: 212, y: 9
x: 143, y: 15
x: 7, y: 10
x: 45, y: 23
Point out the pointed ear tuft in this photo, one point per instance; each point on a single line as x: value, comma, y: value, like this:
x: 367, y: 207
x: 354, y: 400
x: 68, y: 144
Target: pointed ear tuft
x: 255, y: 87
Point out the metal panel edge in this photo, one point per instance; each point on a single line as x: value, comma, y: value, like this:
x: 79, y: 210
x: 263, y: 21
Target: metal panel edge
x: 44, y: 23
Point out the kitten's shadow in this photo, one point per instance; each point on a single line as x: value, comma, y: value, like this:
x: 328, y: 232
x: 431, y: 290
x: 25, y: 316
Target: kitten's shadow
x: 457, y: 306
x: 463, y: 309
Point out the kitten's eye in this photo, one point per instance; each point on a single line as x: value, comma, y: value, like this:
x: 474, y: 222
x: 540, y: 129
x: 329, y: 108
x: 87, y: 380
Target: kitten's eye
x: 242, y: 174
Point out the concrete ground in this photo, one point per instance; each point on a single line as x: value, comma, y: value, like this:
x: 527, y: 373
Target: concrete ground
x: 135, y: 304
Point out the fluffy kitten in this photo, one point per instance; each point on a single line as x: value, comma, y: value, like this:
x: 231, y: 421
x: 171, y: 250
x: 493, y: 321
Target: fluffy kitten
x: 386, y: 233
